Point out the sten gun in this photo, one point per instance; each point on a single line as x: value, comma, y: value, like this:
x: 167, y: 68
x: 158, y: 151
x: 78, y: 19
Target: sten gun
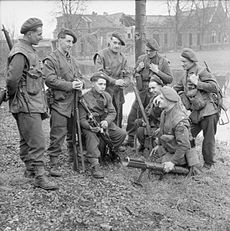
x: 102, y: 133
x: 156, y: 167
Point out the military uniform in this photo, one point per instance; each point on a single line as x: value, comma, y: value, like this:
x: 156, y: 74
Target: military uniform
x: 101, y: 105
x: 142, y: 79
x: 115, y: 66
x: 27, y: 104
x: 60, y: 71
x: 204, y: 112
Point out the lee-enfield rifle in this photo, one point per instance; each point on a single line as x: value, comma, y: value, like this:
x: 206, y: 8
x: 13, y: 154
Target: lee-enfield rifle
x: 3, y: 91
x: 157, y: 167
x: 145, y: 118
x: 102, y: 133
x: 76, y: 126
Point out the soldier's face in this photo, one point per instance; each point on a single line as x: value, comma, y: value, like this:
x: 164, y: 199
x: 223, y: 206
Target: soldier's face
x: 151, y: 53
x: 162, y: 102
x: 100, y: 85
x: 35, y: 36
x: 66, y: 43
x: 154, y: 88
x: 115, y: 44
x: 186, y: 64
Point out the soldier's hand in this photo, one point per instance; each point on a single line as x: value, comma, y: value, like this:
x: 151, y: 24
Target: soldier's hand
x: 77, y: 85
x: 120, y: 82
x: 104, y: 124
x: 194, y: 79
x: 140, y: 66
x: 95, y: 129
x: 168, y: 166
x: 154, y: 68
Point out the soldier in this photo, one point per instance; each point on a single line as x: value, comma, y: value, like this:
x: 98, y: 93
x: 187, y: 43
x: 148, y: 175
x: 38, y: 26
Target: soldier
x: 63, y: 78
x: 174, y: 133
x: 147, y: 65
x: 153, y: 113
x: 100, y: 104
x: 196, y: 90
x: 27, y: 101
x: 114, y: 64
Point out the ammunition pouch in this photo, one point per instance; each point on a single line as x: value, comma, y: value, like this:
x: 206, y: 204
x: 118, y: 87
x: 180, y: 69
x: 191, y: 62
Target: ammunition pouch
x: 33, y: 83
x: 49, y: 97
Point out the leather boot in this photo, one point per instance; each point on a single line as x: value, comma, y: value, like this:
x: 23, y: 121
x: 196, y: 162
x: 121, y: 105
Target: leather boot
x: 54, y: 168
x: 41, y: 179
x: 96, y: 172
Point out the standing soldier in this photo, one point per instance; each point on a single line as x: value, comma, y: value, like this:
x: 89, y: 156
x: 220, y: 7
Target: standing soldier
x: 63, y: 79
x: 27, y: 101
x: 147, y: 65
x: 196, y: 90
x: 114, y: 64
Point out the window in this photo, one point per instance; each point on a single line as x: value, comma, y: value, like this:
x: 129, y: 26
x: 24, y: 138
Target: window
x: 179, y: 40
x: 198, y: 39
x: 190, y: 39
x: 129, y: 35
x: 166, y: 39
x: 213, y: 38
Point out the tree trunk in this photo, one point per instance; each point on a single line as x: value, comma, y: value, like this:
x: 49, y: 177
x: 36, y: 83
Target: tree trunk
x: 140, y: 20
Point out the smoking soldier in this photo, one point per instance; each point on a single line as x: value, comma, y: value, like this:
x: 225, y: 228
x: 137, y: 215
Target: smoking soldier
x: 100, y: 104
x: 147, y: 65
x: 63, y: 77
x: 114, y: 64
x: 196, y: 90
x: 27, y: 101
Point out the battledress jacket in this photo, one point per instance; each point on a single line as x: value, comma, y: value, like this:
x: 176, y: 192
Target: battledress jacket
x: 201, y: 104
x: 60, y: 72
x: 115, y: 66
x: 143, y: 76
x: 101, y: 106
x: 175, y: 124
x: 25, y: 82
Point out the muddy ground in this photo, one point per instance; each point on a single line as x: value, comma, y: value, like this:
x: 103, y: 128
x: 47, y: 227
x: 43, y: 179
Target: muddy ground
x: 84, y: 203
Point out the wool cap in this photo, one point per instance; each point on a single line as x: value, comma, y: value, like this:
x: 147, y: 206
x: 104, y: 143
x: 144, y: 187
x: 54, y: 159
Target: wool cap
x: 152, y: 44
x: 189, y: 54
x: 64, y: 31
x: 155, y: 78
x: 170, y: 94
x: 31, y: 24
x: 98, y: 75
x: 119, y: 37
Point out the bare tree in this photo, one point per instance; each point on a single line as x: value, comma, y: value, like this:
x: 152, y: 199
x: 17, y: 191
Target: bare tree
x: 140, y: 20
x: 68, y: 8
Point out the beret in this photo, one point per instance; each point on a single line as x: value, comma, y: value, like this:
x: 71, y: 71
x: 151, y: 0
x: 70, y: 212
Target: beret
x: 64, y: 31
x: 189, y: 54
x: 155, y: 78
x: 98, y: 75
x: 119, y: 37
x: 30, y: 24
x: 152, y: 44
x: 170, y: 94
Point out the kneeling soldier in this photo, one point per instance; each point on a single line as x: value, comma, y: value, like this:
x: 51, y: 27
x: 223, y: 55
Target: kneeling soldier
x: 100, y: 104
x: 174, y: 134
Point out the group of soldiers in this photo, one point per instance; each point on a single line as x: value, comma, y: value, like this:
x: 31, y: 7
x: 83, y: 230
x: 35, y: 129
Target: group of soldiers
x: 172, y: 131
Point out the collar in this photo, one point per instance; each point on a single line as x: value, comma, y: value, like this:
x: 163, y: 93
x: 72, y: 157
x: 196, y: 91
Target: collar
x: 26, y: 43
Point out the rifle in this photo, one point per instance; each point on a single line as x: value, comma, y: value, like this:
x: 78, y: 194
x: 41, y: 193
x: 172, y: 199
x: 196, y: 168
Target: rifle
x: 157, y: 167
x: 3, y: 90
x: 102, y: 134
x: 8, y: 40
x: 76, y: 122
x: 148, y: 128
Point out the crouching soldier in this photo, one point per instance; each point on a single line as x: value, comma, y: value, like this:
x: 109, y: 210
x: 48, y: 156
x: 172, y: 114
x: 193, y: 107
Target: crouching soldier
x: 174, y: 133
x: 153, y: 113
x: 99, y: 102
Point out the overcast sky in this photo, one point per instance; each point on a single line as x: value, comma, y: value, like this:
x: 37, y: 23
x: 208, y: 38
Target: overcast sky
x: 14, y: 13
